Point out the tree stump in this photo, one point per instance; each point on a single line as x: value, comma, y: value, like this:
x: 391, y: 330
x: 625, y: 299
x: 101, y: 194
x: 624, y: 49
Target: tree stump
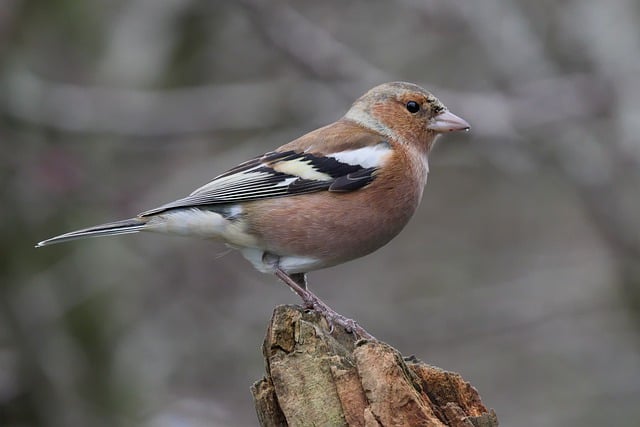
x: 317, y: 378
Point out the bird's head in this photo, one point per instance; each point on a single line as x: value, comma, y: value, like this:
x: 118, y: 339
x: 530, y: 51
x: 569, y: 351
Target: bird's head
x: 405, y: 112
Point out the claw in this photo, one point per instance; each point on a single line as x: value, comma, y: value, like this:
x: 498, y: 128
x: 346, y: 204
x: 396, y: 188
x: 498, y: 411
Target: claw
x: 332, y: 326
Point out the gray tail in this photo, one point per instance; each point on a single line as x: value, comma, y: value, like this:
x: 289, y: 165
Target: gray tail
x: 132, y: 225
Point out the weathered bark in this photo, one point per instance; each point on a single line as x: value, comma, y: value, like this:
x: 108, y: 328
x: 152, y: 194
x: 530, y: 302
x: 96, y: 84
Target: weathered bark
x: 317, y: 378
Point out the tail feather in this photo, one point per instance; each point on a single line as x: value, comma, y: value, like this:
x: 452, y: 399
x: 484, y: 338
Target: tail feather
x: 132, y: 225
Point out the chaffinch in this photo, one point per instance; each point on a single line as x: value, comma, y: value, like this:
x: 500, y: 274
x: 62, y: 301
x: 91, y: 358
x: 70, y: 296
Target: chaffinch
x: 335, y: 194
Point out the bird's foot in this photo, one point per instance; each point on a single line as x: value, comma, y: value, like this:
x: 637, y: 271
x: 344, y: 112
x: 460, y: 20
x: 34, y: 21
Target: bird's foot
x: 312, y: 302
x: 335, y: 318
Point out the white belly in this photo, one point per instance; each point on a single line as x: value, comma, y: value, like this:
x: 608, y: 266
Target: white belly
x: 288, y: 263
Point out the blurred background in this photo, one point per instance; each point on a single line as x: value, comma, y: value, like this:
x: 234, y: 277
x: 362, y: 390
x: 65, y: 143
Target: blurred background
x: 521, y: 270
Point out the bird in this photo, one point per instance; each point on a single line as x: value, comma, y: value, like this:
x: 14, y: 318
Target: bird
x: 330, y: 196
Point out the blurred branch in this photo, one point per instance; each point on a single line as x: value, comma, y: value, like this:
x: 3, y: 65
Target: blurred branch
x: 313, y: 48
x: 493, y: 114
x: 74, y: 108
x: 502, y: 31
x: 610, y: 57
x: 140, y: 40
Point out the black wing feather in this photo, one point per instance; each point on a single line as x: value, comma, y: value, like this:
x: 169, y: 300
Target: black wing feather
x: 353, y: 181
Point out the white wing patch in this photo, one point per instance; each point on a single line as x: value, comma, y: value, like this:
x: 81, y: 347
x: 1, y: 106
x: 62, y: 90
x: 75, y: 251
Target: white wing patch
x: 300, y: 168
x: 367, y: 157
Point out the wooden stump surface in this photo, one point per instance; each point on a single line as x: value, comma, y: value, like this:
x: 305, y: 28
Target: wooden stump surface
x: 317, y: 378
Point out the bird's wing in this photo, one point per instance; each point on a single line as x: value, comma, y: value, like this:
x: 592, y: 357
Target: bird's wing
x: 291, y: 172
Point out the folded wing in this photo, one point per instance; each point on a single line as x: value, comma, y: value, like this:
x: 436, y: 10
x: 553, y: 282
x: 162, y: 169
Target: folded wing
x: 287, y: 173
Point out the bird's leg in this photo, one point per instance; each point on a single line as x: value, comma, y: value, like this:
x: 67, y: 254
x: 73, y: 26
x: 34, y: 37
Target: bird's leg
x: 311, y: 301
x: 298, y: 288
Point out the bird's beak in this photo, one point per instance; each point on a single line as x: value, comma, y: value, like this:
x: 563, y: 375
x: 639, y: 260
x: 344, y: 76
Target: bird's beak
x: 447, y: 122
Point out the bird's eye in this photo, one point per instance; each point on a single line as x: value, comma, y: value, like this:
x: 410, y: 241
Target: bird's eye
x: 413, y: 107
